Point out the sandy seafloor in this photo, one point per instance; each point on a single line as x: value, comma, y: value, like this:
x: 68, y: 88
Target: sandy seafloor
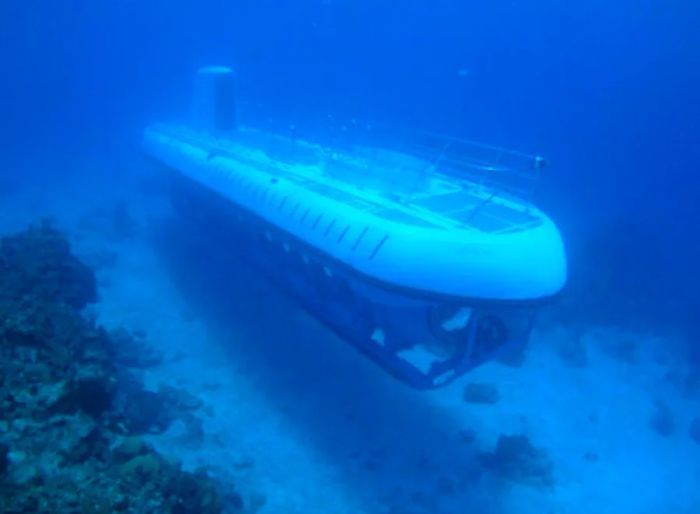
x: 301, y: 423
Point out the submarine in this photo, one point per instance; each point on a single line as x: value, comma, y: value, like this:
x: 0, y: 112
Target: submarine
x: 422, y: 251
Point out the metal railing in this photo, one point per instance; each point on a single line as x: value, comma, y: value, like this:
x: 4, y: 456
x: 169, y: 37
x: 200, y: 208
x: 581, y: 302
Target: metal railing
x: 494, y: 168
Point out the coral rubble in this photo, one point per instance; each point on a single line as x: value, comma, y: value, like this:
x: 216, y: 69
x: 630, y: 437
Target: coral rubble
x: 67, y: 440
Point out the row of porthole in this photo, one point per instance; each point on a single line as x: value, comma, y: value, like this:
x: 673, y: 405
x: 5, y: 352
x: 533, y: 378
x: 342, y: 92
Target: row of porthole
x: 260, y: 192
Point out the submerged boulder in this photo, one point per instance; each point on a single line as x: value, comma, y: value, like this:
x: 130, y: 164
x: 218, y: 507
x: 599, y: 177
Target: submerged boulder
x: 516, y: 459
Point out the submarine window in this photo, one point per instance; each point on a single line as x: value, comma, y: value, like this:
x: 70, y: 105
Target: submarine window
x: 342, y: 234
x: 357, y: 241
x: 330, y: 226
x: 379, y: 246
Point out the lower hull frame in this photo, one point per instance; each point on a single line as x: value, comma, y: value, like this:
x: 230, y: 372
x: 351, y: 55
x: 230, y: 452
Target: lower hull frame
x: 424, y: 341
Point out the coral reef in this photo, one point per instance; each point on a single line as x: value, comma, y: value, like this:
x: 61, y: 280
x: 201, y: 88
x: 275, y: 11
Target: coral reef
x: 66, y: 442
x: 38, y: 266
x: 517, y: 460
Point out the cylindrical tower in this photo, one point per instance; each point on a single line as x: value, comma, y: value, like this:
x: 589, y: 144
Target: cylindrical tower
x: 214, y: 100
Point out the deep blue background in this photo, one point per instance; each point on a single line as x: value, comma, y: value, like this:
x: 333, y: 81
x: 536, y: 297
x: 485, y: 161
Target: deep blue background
x: 608, y: 91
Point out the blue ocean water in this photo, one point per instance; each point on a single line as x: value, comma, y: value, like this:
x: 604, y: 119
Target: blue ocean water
x: 608, y: 92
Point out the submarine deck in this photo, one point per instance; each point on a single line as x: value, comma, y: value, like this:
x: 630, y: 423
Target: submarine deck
x: 393, y: 185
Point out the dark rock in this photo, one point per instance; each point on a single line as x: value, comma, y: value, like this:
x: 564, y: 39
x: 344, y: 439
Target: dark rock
x: 694, y: 431
x: 516, y: 459
x: 483, y: 393
x: 662, y: 421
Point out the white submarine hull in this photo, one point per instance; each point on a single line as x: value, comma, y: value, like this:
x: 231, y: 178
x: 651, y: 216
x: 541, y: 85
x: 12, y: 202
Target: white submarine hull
x: 427, y: 272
